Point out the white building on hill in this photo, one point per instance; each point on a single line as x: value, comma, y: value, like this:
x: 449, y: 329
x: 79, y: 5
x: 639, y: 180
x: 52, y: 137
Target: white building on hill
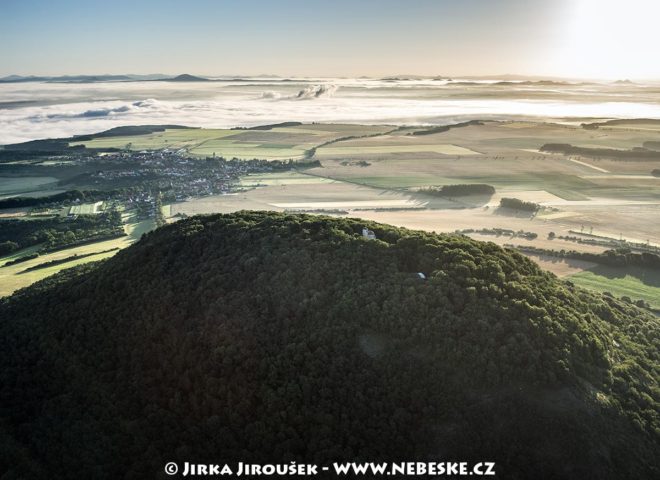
x: 368, y: 234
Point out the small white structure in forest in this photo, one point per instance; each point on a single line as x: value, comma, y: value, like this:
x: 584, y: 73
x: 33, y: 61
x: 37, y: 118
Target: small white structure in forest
x: 368, y: 234
x: 421, y: 275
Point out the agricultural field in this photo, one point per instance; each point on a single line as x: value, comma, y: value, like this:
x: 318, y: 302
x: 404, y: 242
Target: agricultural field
x: 279, y: 143
x: 32, y: 186
x: 282, y: 178
x: 13, y: 277
x: 297, y: 192
x: 615, y: 197
x: 380, y: 172
x: 365, y: 148
x: 634, y: 283
x: 175, y: 138
x: 562, y: 267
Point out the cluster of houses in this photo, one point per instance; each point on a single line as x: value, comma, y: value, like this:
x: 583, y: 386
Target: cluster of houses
x: 174, y: 173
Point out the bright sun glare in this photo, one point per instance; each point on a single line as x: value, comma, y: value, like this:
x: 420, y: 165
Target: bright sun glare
x: 611, y: 39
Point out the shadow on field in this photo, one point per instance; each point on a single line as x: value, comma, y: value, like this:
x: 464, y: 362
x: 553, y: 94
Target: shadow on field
x: 437, y: 202
x: 646, y: 276
x: 571, y: 262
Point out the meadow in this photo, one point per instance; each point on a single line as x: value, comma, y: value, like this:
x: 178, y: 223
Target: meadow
x: 10, y: 186
x: 13, y: 277
x: 634, y: 283
x: 273, y: 144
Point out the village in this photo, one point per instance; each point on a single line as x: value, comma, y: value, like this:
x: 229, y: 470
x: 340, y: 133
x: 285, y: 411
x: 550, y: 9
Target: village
x: 139, y: 182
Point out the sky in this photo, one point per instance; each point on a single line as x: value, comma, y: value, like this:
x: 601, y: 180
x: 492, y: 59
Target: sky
x: 602, y: 39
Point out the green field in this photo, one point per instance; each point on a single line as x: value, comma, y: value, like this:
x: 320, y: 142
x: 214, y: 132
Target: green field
x: 230, y: 149
x: 200, y: 142
x: 170, y: 138
x: 281, y: 143
x: 11, y: 278
x: 636, y: 283
x: 419, y: 172
x: 20, y: 253
x: 20, y: 185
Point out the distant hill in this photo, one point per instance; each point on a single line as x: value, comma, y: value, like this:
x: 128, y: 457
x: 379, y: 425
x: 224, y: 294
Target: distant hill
x: 187, y: 78
x: 267, y: 337
x: 80, y: 78
x: 89, y: 78
x: 19, y: 78
x: 518, y: 83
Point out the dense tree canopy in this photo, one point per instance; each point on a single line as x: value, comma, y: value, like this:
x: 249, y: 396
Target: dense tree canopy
x: 68, y: 196
x: 58, y: 232
x: 517, y: 204
x: 262, y: 337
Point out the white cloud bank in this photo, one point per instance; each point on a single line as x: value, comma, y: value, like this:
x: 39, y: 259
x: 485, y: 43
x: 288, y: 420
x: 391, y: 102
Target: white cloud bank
x: 32, y: 111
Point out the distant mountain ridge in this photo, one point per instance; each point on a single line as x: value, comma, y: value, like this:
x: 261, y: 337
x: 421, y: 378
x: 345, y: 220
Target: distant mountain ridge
x: 185, y: 77
x: 83, y: 78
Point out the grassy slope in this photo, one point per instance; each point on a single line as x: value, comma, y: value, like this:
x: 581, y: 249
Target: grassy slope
x: 11, y: 278
x: 633, y: 282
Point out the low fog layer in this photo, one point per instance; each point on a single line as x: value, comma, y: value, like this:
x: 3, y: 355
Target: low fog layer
x: 30, y: 111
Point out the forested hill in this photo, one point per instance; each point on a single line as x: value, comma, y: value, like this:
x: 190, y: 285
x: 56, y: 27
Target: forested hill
x: 261, y: 337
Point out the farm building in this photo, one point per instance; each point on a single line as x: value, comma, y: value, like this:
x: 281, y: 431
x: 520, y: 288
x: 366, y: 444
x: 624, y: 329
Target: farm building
x: 86, y: 209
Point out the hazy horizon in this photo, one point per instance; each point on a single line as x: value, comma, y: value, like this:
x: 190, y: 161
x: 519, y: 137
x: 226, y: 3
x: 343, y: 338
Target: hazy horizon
x: 512, y: 76
x: 315, y: 61
x: 575, y: 39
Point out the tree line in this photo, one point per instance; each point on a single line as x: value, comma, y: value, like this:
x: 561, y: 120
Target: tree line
x: 517, y: 204
x: 459, y: 190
